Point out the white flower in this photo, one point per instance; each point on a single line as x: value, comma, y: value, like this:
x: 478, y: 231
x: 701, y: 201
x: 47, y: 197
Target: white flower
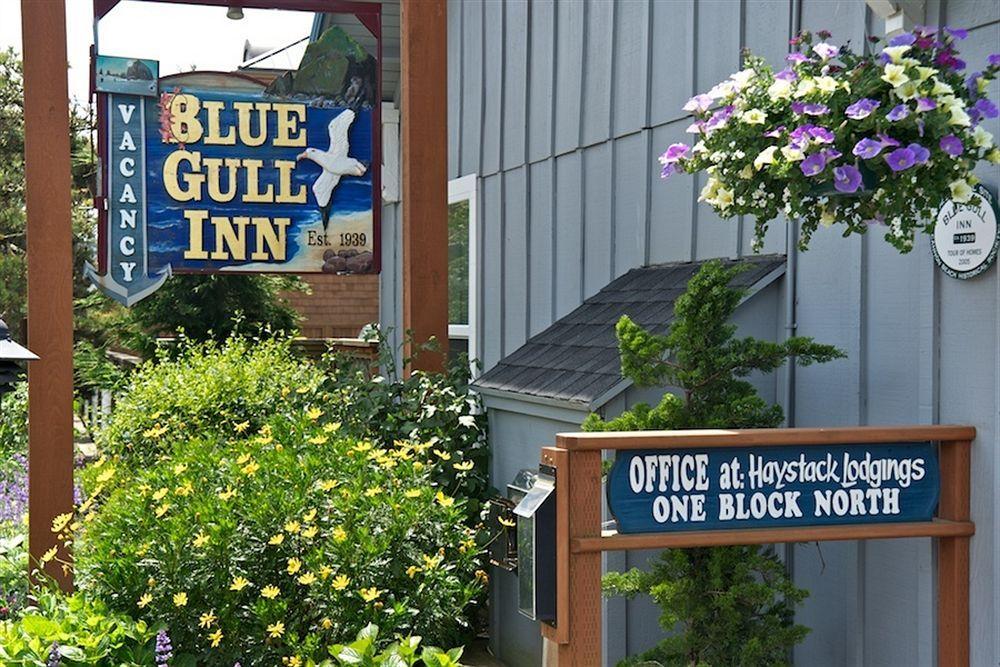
x: 806, y: 87
x: 722, y: 90
x: 792, y: 154
x: 826, y: 84
x: 827, y: 217
x: 896, y: 52
x: 826, y: 51
x: 746, y: 172
x: 941, y: 88
x: 780, y: 89
x: 907, y: 91
x: 959, y: 117
x: 468, y: 421
x: 895, y: 75
x: 742, y: 78
x: 925, y: 73
x: 708, y: 192
x: 981, y: 138
x: 994, y: 156
x: 766, y: 156
x: 982, y: 85
x: 961, y: 191
x: 754, y: 117
x: 724, y: 198
x: 699, y: 148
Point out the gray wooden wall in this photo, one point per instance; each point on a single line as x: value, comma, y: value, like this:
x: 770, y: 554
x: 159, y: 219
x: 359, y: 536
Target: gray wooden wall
x: 561, y: 108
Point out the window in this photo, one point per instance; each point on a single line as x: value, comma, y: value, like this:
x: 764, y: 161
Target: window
x: 463, y: 284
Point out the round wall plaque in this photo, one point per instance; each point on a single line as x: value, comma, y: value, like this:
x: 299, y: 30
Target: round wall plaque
x: 965, y: 240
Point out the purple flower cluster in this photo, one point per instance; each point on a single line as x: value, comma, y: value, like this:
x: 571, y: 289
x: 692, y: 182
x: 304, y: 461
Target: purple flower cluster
x: 904, y: 158
x: 802, y: 135
x: 810, y: 108
x: 164, y: 649
x: 14, y: 490
x: 671, y: 157
x: 55, y: 656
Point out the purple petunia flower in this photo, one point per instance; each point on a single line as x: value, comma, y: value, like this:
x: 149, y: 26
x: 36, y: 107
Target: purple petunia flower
x: 868, y: 148
x: 925, y: 104
x: 826, y: 51
x: 957, y: 33
x: 862, y: 108
x: 887, y: 140
x: 900, y: 159
x: 831, y: 154
x: 787, y: 74
x: 720, y: 117
x: 993, y: 60
x: 698, y: 103
x: 822, y: 135
x: 920, y: 154
x: 797, y: 57
x: 815, y: 109
x: 986, y: 108
x: 813, y: 164
x: 846, y: 178
x: 952, y: 145
x: 898, y: 112
x: 675, y: 153
x: 905, y: 39
x: 972, y: 83
x: 776, y: 132
x: 696, y: 127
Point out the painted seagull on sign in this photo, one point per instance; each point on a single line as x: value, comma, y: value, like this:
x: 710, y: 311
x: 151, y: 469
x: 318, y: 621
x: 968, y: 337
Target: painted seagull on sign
x: 335, y: 163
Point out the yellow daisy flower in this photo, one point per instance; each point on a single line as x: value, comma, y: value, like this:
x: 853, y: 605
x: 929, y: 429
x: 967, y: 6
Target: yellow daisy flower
x: 239, y: 583
x: 275, y: 630
x: 270, y: 592
x: 227, y: 494
x: 412, y: 571
x: 215, y: 638
x: 314, y: 413
x: 464, y: 465
x: 294, y: 565
x: 326, y: 623
x: 241, y: 427
x: 309, y: 516
x: 200, y: 540
x: 444, y: 456
x: 331, y: 427
x: 412, y: 493
x: 180, y: 599
x: 307, y: 579
x: 180, y: 468
x: 251, y: 468
x: 318, y: 440
x: 145, y: 600
x: 310, y: 532
x: 207, y: 619
x: 369, y: 594
x: 444, y: 500
x: 161, y: 510
x: 276, y: 539
x: 293, y: 527
x: 340, y: 582
x: 328, y: 484
x: 325, y: 571
x: 339, y: 534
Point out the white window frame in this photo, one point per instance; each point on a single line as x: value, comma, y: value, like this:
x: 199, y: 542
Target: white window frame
x: 462, y: 189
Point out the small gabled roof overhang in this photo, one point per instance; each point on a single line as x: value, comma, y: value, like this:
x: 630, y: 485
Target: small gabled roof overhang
x: 574, y: 364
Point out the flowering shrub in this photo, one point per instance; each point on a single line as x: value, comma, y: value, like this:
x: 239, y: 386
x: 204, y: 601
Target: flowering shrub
x: 72, y: 631
x: 845, y: 138
x: 204, y: 391
x: 436, y: 408
x: 269, y: 546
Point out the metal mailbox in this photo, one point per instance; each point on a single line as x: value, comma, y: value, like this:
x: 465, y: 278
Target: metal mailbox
x: 536, y: 548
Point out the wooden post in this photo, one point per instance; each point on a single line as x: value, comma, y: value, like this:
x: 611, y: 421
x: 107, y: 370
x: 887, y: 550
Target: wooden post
x: 424, y: 168
x: 953, y: 556
x: 50, y: 276
x: 576, y: 639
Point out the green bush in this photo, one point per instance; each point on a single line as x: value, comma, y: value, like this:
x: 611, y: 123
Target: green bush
x: 403, y: 653
x: 13, y: 426
x: 13, y: 573
x: 279, y: 541
x: 77, y: 630
x: 725, y: 605
x: 436, y: 408
x: 206, y: 389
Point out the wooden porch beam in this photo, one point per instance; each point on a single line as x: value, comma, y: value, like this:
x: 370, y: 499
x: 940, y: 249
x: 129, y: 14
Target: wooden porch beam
x: 424, y: 170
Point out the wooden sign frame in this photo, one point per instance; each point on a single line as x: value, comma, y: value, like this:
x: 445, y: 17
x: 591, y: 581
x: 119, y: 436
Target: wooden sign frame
x: 576, y: 638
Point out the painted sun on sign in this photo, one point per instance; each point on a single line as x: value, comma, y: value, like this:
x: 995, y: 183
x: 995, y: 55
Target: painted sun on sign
x: 230, y: 173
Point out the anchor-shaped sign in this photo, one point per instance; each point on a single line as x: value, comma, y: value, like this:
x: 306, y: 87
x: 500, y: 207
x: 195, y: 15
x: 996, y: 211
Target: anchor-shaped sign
x: 127, y: 280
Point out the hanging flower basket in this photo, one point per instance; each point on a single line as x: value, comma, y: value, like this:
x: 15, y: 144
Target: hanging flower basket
x: 842, y: 138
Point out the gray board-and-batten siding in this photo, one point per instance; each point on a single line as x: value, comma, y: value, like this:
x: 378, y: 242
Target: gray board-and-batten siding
x: 561, y: 108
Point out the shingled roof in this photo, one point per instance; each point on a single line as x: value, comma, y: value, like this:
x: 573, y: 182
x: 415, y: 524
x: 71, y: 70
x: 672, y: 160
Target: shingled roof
x: 576, y: 361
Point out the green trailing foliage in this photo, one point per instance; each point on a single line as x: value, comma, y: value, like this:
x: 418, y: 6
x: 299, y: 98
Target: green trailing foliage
x: 727, y: 606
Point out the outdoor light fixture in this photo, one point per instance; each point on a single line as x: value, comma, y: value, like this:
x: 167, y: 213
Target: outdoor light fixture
x: 235, y: 12
x: 10, y: 354
x: 536, y: 545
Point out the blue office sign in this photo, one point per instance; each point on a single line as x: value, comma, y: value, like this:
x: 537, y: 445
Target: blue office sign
x: 770, y: 487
